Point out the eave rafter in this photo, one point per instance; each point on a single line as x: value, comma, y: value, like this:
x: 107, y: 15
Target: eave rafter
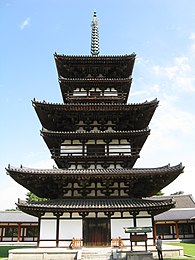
x: 132, y: 206
x: 62, y: 117
x: 136, y: 138
x: 69, y: 85
x: 138, y: 182
x: 83, y: 66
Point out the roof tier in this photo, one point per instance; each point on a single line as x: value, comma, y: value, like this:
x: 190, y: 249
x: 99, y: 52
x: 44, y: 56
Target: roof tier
x: 54, y: 140
x: 85, y: 206
x: 61, y: 183
x: 80, y: 90
x: 66, y: 117
x: 95, y: 66
x: 123, y: 159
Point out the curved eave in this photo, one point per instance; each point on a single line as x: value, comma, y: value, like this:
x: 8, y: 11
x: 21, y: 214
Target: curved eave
x: 96, y: 205
x: 11, y: 170
x: 54, y: 139
x: 122, y: 85
x: 61, y: 116
x: 96, y: 81
x: 93, y: 59
x: 94, y: 107
x: 95, y: 134
x: 69, y: 66
x: 73, y: 99
x: 142, y: 182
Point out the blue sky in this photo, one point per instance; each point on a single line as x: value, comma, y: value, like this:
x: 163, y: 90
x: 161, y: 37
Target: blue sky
x: 161, y: 33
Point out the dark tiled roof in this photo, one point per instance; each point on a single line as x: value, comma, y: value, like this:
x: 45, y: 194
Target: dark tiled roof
x: 136, y: 183
x: 94, y: 106
x: 96, y: 80
x: 176, y: 214
x: 94, y: 59
x: 181, y: 201
x: 56, y: 171
x: 60, y: 116
x: 96, y: 205
x: 16, y: 216
x: 53, y: 138
x: 99, y: 134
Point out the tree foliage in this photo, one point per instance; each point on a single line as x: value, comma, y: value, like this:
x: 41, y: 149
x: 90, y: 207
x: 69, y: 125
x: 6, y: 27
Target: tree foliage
x: 32, y: 197
x: 160, y: 193
x: 178, y: 193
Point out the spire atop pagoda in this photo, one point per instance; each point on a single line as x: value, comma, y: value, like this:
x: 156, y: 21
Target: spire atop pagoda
x: 94, y: 36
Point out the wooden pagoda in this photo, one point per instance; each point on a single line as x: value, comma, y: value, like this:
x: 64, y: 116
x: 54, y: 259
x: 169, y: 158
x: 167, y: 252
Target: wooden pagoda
x: 95, y: 138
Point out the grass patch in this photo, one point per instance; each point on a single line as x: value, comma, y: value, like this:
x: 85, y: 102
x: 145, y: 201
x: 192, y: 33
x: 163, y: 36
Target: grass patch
x: 4, y: 250
x: 189, y: 248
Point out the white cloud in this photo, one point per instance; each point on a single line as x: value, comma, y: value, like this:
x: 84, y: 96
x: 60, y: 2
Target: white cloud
x: 24, y: 23
x: 13, y: 191
x: 155, y: 88
x: 192, y: 36
x: 179, y: 74
x: 192, y: 47
x: 183, y: 182
x: 172, y: 136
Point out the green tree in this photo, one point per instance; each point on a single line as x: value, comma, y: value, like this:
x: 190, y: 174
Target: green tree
x: 178, y: 193
x: 32, y: 197
x: 160, y: 193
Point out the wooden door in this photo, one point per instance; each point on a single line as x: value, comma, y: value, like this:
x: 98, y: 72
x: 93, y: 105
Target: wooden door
x: 96, y: 232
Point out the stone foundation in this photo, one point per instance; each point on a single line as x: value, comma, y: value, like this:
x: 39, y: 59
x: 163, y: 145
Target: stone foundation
x: 139, y: 256
x: 93, y: 253
x: 42, y: 254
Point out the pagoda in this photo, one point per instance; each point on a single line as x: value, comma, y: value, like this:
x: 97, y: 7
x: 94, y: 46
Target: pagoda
x: 95, y: 138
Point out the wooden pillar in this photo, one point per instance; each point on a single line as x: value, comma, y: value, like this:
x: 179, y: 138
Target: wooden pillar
x: 154, y: 230
x: 134, y: 219
x: 19, y: 232
x: 135, y: 225
x: 108, y: 227
x: 57, y: 214
x: 57, y: 231
x: 177, y: 230
x: 39, y: 228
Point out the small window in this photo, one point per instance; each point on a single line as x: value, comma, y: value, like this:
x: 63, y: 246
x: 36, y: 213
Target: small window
x: 32, y: 231
x: 11, y: 232
x: 94, y: 93
x: 163, y: 229
x: 95, y: 149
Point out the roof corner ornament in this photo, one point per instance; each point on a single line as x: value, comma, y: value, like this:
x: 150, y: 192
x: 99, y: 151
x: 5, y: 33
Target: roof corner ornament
x: 94, y: 36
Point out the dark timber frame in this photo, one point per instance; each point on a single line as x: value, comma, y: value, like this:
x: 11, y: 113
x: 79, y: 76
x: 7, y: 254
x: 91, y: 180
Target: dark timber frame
x: 95, y: 139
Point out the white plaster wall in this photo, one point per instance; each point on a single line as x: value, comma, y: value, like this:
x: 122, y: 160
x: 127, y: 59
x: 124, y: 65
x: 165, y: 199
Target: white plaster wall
x: 70, y: 228
x: 145, y: 222
x: 48, y: 231
x: 71, y: 149
x: 117, y: 226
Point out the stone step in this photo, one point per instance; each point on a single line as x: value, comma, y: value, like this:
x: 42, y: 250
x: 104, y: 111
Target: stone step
x: 98, y: 255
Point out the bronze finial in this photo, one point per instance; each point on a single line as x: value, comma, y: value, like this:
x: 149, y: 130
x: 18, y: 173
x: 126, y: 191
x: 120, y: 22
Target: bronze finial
x: 94, y: 36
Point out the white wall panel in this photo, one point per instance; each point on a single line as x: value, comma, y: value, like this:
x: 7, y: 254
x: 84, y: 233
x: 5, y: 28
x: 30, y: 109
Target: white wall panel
x: 48, y: 229
x: 70, y: 228
x: 145, y: 222
x: 117, y: 226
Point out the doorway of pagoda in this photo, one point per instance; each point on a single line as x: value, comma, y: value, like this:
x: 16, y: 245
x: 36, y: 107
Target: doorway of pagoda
x: 96, y: 232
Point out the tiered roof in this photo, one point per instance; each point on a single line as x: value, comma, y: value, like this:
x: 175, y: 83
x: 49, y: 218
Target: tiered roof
x: 63, y: 117
x: 95, y: 91
x: 85, y: 206
x: 68, y: 85
x: 138, y: 182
